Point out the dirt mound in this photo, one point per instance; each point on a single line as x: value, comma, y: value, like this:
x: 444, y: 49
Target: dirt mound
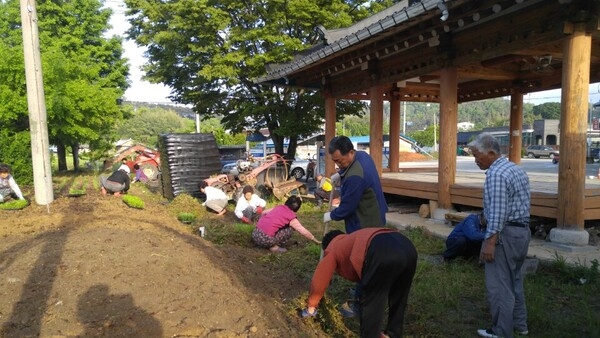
x: 413, y: 157
x: 91, y: 266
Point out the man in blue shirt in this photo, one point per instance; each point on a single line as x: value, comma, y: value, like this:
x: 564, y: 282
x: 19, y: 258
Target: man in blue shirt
x: 465, y: 239
x: 362, y: 201
x: 506, y: 205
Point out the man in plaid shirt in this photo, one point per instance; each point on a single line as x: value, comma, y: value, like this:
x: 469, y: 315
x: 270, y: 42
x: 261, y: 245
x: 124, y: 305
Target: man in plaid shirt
x: 506, y: 204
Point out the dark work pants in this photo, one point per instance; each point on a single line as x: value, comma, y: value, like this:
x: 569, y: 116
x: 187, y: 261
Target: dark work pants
x: 461, y: 246
x: 387, y: 275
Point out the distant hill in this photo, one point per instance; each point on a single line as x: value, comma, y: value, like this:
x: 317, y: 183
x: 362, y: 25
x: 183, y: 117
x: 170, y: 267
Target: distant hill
x: 182, y: 111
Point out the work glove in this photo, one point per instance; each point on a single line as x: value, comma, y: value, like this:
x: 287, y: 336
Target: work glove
x: 259, y: 210
x: 246, y: 220
x: 336, y: 178
x: 326, y: 217
x: 306, y: 314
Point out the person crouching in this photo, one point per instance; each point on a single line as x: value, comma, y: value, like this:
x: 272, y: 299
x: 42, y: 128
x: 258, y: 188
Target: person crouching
x: 276, y: 226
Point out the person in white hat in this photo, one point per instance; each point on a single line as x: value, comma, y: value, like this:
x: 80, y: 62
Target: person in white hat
x: 117, y: 183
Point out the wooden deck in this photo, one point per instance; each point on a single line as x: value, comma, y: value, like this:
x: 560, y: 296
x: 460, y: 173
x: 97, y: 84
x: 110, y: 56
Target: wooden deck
x: 468, y: 190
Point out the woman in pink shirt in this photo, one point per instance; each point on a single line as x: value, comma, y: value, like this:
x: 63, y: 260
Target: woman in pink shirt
x: 276, y: 226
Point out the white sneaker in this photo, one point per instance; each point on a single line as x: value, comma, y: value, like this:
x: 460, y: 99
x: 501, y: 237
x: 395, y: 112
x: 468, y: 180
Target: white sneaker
x: 487, y: 333
x: 522, y: 333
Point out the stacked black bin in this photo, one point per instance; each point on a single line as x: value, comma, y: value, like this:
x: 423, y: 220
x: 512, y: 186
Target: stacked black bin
x: 187, y: 159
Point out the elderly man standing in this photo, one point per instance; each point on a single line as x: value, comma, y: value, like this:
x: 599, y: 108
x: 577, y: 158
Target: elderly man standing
x: 506, y: 205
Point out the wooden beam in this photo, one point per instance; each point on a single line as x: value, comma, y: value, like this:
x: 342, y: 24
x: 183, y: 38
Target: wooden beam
x: 376, y: 126
x: 573, y: 122
x: 516, y: 125
x: 448, y: 128
x: 486, y: 73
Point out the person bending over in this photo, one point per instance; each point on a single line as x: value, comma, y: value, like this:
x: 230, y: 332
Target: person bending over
x: 383, y: 262
x: 8, y: 186
x: 216, y: 200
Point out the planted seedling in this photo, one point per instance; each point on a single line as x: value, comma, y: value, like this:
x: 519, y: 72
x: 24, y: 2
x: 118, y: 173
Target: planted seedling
x: 186, y: 217
x: 14, y: 205
x: 133, y: 202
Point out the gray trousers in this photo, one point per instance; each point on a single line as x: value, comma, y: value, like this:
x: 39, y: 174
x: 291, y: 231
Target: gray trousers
x: 216, y: 205
x: 504, y: 281
x: 111, y: 186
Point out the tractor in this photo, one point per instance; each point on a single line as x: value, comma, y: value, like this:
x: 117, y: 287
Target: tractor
x: 269, y: 176
x: 147, y: 158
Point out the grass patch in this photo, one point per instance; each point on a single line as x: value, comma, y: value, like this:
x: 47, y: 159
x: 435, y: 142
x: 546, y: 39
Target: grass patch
x: 186, y: 217
x: 76, y: 192
x: 14, y: 205
x: 446, y: 299
x: 134, y: 202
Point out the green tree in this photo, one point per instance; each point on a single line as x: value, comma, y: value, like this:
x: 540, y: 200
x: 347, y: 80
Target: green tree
x: 211, y: 51
x: 222, y: 136
x: 84, y: 73
x: 548, y: 110
x: 425, y: 137
x: 147, y: 123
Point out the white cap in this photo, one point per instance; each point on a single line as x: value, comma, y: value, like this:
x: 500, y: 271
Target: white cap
x: 125, y: 168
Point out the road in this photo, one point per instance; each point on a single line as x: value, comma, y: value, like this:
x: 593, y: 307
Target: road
x: 530, y: 165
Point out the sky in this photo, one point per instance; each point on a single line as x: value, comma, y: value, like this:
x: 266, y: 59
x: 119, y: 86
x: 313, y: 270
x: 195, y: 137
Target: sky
x: 554, y: 95
x: 144, y: 91
x: 139, y: 90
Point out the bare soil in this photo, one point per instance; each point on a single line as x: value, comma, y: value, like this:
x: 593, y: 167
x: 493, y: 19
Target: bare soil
x: 91, y: 266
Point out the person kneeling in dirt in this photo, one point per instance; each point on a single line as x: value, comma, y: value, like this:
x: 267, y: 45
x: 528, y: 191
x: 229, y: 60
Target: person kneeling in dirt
x: 139, y: 174
x: 117, y: 183
x: 323, y: 190
x: 8, y: 186
x: 276, y: 226
x: 250, y: 206
x: 466, y: 238
x: 382, y: 261
x: 216, y: 200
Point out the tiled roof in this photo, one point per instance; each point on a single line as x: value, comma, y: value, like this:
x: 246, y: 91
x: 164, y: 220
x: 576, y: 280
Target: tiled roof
x: 336, y: 40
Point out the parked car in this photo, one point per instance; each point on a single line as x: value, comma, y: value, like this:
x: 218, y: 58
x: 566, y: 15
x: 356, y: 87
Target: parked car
x: 299, y: 168
x: 539, y: 150
x: 240, y: 165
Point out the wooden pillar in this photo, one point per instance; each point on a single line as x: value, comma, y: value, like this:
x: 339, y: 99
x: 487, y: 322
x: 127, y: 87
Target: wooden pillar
x: 376, y: 127
x: 516, y: 127
x: 448, y: 130
x: 394, y: 133
x: 330, y: 118
x: 573, y: 129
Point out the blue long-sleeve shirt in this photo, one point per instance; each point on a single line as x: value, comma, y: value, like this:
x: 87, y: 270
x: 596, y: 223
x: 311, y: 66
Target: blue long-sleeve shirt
x: 469, y: 228
x: 362, y: 201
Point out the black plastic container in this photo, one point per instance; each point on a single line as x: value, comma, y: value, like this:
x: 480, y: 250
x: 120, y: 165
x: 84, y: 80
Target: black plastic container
x: 187, y: 159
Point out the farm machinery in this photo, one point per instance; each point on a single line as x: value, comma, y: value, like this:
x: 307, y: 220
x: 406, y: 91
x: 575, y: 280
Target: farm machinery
x: 147, y: 158
x: 269, y: 176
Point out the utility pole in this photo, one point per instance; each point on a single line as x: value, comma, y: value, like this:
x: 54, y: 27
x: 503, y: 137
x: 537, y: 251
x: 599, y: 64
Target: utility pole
x: 38, y: 124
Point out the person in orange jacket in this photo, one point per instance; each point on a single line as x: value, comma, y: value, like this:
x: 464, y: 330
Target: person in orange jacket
x: 382, y: 261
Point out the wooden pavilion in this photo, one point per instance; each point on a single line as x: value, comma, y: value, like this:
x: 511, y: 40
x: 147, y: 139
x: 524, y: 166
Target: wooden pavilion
x: 454, y: 51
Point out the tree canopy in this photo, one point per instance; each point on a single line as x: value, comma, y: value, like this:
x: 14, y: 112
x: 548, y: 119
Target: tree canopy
x: 84, y: 73
x: 548, y: 110
x: 211, y: 51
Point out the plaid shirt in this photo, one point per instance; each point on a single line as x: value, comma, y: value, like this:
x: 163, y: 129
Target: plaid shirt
x: 506, y: 195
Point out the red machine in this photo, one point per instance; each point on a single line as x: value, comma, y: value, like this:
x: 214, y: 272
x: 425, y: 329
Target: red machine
x: 147, y: 158
x: 271, y: 174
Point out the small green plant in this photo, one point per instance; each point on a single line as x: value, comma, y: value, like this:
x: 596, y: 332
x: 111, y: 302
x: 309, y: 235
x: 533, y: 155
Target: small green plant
x: 133, y: 201
x: 14, y: 205
x: 76, y: 192
x: 186, y: 217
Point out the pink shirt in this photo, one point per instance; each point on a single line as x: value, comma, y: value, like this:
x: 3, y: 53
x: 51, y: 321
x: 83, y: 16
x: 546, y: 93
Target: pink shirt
x: 277, y: 218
